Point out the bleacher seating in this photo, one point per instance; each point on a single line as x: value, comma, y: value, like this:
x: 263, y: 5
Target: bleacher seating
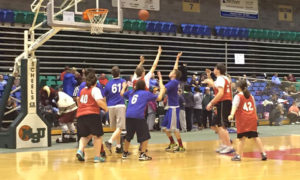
x: 196, y: 29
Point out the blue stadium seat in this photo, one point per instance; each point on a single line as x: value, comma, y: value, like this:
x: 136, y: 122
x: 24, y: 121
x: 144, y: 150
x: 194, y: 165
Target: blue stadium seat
x: 186, y: 28
x: 9, y: 16
x: 234, y: 31
x: 220, y: 30
x: 173, y: 28
x: 150, y: 26
x: 227, y: 31
x: 2, y: 15
x: 250, y: 88
x: 195, y: 29
x: 207, y: 31
x: 255, y: 88
x: 166, y: 27
x: 158, y: 27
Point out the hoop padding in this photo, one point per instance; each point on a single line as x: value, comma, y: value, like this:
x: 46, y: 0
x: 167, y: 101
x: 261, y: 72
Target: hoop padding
x: 97, y: 17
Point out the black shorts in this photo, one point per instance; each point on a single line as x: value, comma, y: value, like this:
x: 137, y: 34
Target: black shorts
x: 223, y: 111
x: 90, y: 125
x: 249, y: 134
x: 138, y: 126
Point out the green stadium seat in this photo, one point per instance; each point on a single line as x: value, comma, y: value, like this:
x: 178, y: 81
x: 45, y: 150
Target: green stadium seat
x: 274, y: 34
x: 283, y: 35
x: 135, y: 25
x: 43, y: 78
x: 291, y: 36
x: 51, y: 78
x: 127, y: 25
x: 29, y: 18
x: 51, y: 83
x: 252, y: 33
x: 297, y: 38
x: 142, y: 26
x: 20, y: 16
x: 40, y: 18
x: 59, y: 83
x: 111, y: 21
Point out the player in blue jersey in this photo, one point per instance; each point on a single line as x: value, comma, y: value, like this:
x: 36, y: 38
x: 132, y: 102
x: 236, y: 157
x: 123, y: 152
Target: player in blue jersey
x: 116, y: 108
x: 171, y: 121
x: 135, y: 116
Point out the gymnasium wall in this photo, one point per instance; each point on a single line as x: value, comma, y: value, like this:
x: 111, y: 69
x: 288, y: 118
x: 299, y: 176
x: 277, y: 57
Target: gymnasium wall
x: 171, y: 10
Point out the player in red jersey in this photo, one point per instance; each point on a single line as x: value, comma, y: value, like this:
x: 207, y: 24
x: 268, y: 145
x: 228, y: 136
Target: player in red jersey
x: 222, y: 101
x: 244, y: 110
x: 88, y: 114
x: 140, y: 71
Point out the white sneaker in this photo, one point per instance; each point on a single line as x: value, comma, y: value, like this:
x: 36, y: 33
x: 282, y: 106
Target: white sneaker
x: 220, y: 148
x: 227, y: 150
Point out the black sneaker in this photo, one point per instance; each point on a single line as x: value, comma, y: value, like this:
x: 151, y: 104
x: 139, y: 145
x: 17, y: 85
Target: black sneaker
x: 119, y: 150
x: 171, y: 147
x: 72, y: 139
x: 179, y: 149
x: 109, y: 146
x: 264, y: 156
x: 144, y: 157
x: 103, y: 154
x: 236, y: 158
x: 125, y: 155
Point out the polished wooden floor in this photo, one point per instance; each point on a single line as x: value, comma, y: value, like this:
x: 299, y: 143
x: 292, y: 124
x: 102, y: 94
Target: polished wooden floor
x: 198, y: 162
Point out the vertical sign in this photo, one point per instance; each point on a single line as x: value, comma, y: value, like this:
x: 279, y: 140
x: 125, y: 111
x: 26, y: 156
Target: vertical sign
x: 191, y: 6
x: 31, y: 83
x: 239, y: 8
x: 239, y: 58
x: 285, y: 13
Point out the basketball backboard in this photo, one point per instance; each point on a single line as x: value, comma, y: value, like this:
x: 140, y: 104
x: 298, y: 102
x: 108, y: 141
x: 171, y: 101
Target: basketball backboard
x: 63, y: 14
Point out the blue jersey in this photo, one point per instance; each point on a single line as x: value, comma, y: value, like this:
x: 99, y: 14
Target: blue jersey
x: 172, y: 91
x: 137, y: 103
x: 83, y: 84
x: 112, y: 92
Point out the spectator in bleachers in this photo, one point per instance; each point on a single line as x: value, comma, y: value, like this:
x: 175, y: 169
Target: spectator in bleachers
x: 62, y: 75
x: 294, y: 113
x: 206, y: 114
x: 276, y: 80
x: 291, y: 78
x: 198, y: 98
x: 103, y: 80
x: 189, y: 106
x: 153, y: 81
x: 195, y: 80
x: 182, y: 116
x: 285, y: 83
x: 245, y: 78
x: 276, y: 115
x: 17, y: 94
x: 69, y: 82
x: 183, y: 69
x: 11, y: 104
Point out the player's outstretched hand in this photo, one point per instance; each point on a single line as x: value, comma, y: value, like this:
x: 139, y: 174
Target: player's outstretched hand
x: 159, y: 75
x: 159, y: 49
x: 179, y: 54
x: 142, y: 59
x: 230, y: 117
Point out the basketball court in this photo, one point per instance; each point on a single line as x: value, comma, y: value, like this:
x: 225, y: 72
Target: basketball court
x: 28, y: 150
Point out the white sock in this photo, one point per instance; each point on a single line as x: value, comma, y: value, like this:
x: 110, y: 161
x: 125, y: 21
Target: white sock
x: 118, y: 146
x: 110, y: 141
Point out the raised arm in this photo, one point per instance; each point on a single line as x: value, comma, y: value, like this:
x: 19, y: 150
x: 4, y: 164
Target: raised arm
x: 177, y: 60
x: 124, y: 86
x: 142, y: 60
x: 156, y: 60
x: 161, y: 87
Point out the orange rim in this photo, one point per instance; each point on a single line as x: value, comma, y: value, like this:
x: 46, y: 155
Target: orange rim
x: 97, y: 11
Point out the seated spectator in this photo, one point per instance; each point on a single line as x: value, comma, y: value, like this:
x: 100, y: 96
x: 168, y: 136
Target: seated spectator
x: 276, y: 80
x: 294, y: 113
x: 194, y: 80
x: 103, y: 80
x: 291, y: 78
x: 276, y: 115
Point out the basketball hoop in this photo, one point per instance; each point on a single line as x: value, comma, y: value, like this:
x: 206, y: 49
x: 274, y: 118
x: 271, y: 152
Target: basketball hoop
x: 97, y: 17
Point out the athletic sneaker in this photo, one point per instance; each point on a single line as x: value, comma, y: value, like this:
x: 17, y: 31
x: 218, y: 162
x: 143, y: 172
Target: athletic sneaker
x: 144, y: 157
x: 171, y: 147
x: 227, y: 150
x: 98, y: 159
x: 119, y: 150
x: 125, y: 155
x: 80, y: 155
x: 103, y: 154
x: 264, y: 156
x: 140, y: 149
x: 236, y: 158
x: 109, y: 146
x: 179, y: 149
x: 220, y: 148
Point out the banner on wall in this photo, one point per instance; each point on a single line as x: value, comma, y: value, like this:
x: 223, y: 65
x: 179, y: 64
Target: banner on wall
x: 152, y: 5
x: 239, y: 58
x: 191, y: 6
x: 239, y: 8
x: 285, y: 13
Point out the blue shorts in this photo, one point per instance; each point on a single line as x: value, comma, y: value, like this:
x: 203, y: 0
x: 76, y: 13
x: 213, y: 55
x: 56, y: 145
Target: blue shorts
x: 171, y: 120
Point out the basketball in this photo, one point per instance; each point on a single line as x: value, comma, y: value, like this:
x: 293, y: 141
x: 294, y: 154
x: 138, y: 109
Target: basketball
x: 85, y: 16
x: 143, y: 14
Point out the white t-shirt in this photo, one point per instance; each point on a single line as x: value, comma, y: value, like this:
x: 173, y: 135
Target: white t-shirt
x: 65, y: 103
x: 146, y: 78
x: 96, y: 93
x: 220, y: 82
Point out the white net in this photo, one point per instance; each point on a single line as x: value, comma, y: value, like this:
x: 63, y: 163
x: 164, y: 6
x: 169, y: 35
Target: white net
x: 97, y: 18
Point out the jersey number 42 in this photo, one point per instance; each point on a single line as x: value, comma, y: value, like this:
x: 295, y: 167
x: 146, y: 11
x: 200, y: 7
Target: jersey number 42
x: 248, y: 106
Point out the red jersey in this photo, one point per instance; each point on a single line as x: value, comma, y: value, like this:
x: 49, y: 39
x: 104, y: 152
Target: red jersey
x: 245, y: 116
x: 88, y: 104
x: 136, y: 80
x: 227, y: 91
